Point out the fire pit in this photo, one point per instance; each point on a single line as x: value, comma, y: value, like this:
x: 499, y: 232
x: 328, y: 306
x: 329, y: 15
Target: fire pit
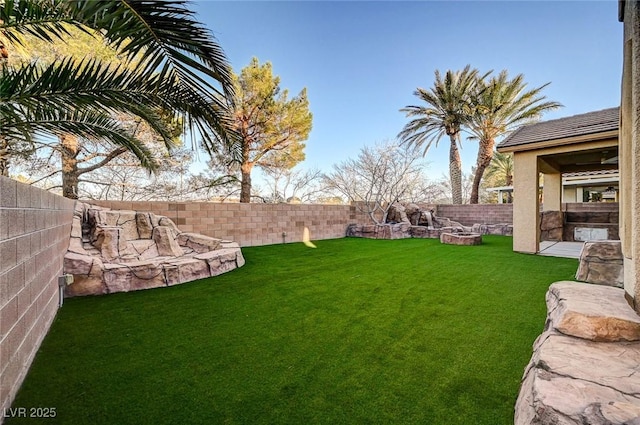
x: 462, y: 238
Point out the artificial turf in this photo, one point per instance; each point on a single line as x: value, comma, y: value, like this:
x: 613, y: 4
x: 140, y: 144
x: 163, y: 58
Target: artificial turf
x: 354, y: 331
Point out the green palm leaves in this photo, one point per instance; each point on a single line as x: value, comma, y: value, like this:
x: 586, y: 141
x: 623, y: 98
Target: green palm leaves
x: 171, y: 64
x: 449, y: 105
x: 486, y: 107
x: 501, y: 105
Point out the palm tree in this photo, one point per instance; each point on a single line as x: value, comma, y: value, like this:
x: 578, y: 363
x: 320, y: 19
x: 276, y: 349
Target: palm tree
x: 447, y: 110
x: 500, y: 105
x: 500, y: 171
x: 180, y: 69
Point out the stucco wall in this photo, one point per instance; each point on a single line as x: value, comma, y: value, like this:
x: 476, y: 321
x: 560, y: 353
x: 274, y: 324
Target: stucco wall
x: 629, y: 152
x: 34, y: 235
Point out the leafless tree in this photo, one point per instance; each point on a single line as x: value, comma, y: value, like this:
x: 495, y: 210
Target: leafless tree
x: 381, y: 175
x: 289, y: 185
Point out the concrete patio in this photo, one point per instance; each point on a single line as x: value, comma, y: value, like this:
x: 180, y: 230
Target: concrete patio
x: 560, y: 249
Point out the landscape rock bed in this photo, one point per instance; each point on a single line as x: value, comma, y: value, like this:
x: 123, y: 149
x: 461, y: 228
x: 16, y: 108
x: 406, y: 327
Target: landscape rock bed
x: 412, y: 222
x: 119, y: 251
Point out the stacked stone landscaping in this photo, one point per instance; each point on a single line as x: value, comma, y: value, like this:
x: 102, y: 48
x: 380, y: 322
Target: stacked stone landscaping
x: 584, y: 368
x: 410, y: 221
x: 120, y: 251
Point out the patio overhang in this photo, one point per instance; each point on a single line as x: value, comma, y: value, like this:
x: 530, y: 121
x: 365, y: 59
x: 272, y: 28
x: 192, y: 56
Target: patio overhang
x: 586, y: 142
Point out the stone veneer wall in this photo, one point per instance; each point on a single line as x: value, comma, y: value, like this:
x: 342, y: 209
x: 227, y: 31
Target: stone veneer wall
x: 251, y: 224
x: 34, y: 236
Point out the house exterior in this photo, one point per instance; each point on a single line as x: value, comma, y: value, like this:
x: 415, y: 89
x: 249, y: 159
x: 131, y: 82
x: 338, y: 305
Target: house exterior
x: 582, y: 186
x: 629, y: 148
x: 574, y: 146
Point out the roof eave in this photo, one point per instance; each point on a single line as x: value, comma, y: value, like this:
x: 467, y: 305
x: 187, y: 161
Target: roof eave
x: 594, y: 137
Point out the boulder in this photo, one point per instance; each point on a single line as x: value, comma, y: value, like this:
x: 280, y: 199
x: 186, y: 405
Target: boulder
x: 592, y: 312
x: 601, y: 263
x: 220, y: 261
x: 165, y: 239
x: 413, y: 213
x: 164, y: 221
x: 145, y: 226
x: 189, y: 269
x: 87, y: 275
x: 133, y: 276
x: 144, y: 249
x: 127, y: 220
x: 571, y: 381
x: 110, y: 241
x: 584, y: 367
x: 461, y: 238
x: 397, y: 214
x: 197, y: 242
x: 551, y: 225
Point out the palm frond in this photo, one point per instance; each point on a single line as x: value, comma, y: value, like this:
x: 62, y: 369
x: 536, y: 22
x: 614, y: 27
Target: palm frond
x: 447, y: 107
x: 87, y: 123
x: 163, y: 36
x: 42, y: 19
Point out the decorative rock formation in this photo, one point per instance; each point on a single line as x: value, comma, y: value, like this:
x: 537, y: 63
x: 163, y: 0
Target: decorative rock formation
x: 592, y: 312
x: 601, y: 262
x: 493, y: 229
x: 584, y: 368
x: 461, y: 238
x: 379, y: 231
x: 119, y: 251
x: 397, y: 214
x: 551, y: 226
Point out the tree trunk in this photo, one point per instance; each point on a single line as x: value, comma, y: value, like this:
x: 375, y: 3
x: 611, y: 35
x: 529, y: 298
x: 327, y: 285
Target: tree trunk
x: 69, y: 150
x: 245, y: 185
x: 485, y: 155
x: 4, y: 156
x: 455, y: 170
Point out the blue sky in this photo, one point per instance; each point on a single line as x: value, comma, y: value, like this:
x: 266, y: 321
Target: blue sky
x: 361, y: 61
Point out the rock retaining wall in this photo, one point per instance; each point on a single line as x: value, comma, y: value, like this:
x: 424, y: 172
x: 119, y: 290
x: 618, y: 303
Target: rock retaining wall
x: 601, y: 263
x: 584, y: 368
x: 120, y: 251
x: 405, y: 230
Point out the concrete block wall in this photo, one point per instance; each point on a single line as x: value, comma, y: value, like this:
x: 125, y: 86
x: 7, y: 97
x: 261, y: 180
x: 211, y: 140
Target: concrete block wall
x: 252, y: 224
x: 35, y: 226
x: 604, y: 207
x: 468, y: 215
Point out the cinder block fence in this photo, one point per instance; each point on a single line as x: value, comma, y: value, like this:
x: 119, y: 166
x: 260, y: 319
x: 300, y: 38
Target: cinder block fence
x: 34, y: 235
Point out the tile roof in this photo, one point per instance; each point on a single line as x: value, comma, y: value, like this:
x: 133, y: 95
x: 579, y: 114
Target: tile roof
x: 592, y: 173
x: 576, y: 125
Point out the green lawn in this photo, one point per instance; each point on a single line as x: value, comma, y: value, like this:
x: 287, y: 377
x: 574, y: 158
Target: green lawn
x: 356, y: 331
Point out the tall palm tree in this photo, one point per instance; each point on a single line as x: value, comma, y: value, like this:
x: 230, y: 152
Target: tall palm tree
x: 180, y: 69
x: 447, y: 110
x: 500, y: 105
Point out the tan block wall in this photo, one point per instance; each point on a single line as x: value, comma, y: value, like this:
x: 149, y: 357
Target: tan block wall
x: 34, y: 235
x: 470, y: 214
x: 604, y: 207
x: 252, y: 224
x: 263, y: 224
